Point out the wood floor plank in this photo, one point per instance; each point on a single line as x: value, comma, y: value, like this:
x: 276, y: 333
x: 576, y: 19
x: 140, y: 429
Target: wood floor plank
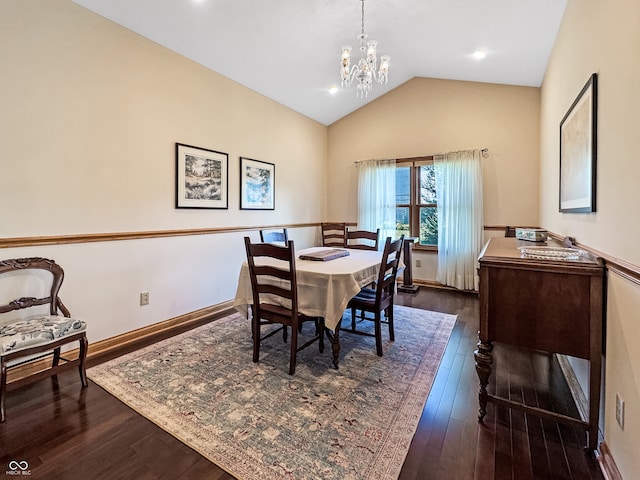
x: 443, y: 414
x: 485, y: 465
x: 520, y: 445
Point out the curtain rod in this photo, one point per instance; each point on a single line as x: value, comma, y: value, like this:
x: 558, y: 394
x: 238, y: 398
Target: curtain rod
x: 483, y: 151
x: 356, y: 162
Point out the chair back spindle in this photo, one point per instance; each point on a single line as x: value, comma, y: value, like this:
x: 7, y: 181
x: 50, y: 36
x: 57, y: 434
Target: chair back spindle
x: 274, y: 236
x: 363, y: 239
x: 334, y: 234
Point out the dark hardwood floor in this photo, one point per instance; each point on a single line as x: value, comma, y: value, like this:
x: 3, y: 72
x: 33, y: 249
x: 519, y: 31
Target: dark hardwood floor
x: 71, y: 433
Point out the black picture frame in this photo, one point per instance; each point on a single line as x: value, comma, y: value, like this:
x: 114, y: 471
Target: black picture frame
x: 578, y: 152
x: 202, y: 177
x: 257, y: 184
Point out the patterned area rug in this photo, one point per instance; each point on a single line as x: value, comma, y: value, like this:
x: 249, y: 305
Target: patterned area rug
x: 259, y: 423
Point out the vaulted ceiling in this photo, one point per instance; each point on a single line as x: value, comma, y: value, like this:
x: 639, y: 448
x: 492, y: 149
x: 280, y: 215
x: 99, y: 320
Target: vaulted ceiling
x: 289, y: 50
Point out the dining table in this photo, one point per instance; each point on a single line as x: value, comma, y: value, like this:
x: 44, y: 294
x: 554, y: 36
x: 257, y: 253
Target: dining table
x: 324, y: 286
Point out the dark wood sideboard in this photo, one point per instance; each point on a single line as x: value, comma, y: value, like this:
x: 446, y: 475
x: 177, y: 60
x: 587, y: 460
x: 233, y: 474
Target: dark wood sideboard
x: 551, y: 305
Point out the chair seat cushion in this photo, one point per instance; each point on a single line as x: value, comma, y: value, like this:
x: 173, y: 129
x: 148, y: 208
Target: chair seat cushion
x: 366, y: 293
x: 367, y: 299
x: 36, y: 331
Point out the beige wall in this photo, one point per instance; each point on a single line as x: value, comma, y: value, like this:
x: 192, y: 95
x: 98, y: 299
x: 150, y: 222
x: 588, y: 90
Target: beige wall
x: 426, y: 116
x: 603, y: 37
x: 90, y: 116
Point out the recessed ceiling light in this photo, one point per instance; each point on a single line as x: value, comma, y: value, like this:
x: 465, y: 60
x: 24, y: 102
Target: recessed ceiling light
x: 479, y: 55
x: 333, y: 90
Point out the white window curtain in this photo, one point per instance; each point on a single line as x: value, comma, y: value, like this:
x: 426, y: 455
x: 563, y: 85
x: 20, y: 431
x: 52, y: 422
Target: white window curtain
x: 460, y: 224
x: 377, y: 197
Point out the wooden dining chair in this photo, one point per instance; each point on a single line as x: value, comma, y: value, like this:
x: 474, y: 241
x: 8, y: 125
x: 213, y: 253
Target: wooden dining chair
x: 363, y: 239
x: 273, y: 236
x: 30, y: 338
x: 334, y: 234
x: 379, y: 300
x: 277, y: 302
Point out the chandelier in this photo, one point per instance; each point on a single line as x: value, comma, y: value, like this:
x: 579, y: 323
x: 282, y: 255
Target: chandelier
x: 365, y: 69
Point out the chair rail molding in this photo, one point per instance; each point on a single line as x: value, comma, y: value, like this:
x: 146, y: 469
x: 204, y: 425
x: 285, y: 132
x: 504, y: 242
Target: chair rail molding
x: 612, y: 264
x: 117, y: 236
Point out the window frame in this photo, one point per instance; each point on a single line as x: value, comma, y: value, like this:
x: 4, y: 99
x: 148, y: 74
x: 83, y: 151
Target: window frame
x: 414, y: 206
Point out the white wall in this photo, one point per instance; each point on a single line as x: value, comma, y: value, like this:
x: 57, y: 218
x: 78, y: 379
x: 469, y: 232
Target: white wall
x: 603, y: 37
x: 90, y: 116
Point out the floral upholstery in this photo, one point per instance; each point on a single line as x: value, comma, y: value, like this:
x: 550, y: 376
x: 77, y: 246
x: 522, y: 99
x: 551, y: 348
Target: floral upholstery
x: 36, y: 331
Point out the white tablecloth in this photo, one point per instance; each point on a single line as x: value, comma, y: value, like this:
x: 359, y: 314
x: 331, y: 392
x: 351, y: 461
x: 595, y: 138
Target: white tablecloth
x: 324, y: 288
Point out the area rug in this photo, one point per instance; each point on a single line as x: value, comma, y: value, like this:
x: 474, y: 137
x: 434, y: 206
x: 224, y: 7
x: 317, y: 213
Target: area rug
x: 259, y: 423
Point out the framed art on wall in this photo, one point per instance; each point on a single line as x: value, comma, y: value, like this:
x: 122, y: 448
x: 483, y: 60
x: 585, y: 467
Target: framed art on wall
x: 257, y: 184
x: 202, y: 178
x: 578, y: 152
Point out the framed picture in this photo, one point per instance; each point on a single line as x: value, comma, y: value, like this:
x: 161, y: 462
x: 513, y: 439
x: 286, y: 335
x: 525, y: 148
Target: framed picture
x: 257, y: 185
x: 202, y: 178
x: 578, y: 152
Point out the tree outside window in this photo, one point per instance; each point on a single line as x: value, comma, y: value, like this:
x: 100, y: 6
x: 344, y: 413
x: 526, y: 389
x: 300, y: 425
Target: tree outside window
x: 416, y: 206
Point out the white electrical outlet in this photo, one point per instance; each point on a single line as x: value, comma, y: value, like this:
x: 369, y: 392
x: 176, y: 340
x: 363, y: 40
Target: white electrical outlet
x: 619, y: 410
x: 144, y: 298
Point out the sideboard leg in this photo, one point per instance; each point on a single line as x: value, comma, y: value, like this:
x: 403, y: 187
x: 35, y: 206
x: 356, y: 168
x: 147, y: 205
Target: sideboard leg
x: 484, y: 360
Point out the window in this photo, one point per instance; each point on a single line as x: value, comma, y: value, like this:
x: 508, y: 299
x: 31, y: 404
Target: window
x: 416, y: 207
